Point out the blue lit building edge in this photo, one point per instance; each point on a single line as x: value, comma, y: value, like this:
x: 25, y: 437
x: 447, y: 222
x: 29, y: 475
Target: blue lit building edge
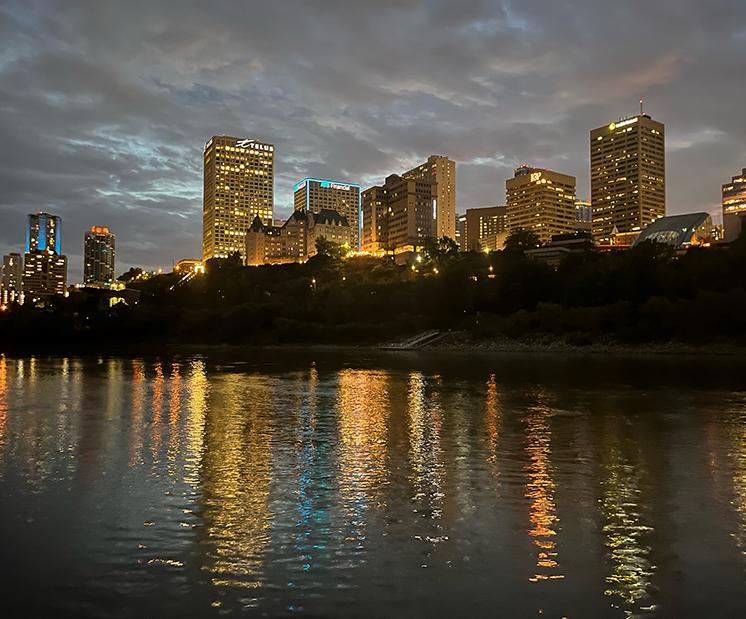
x: 325, y: 182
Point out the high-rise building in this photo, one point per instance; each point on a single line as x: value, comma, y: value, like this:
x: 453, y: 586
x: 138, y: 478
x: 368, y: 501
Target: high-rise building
x: 407, y: 209
x: 628, y: 177
x: 461, y: 231
x: 485, y: 228
x: 11, y: 279
x: 397, y: 216
x: 583, y: 216
x: 374, y: 234
x: 238, y: 186
x: 734, y: 205
x: 99, y: 253
x: 542, y: 201
x: 314, y: 195
x: 44, y: 268
x: 440, y: 171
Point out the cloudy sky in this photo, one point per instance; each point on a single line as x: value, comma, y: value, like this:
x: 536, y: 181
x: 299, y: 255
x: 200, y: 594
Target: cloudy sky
x: 105, y: 105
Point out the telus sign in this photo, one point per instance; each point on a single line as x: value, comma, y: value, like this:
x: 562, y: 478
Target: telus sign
x: 255, y: 145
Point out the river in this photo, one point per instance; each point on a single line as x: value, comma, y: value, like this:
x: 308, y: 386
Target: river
x: 364, y: 484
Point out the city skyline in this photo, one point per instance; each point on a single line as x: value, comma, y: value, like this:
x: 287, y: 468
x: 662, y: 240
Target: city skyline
x: 118, y: 139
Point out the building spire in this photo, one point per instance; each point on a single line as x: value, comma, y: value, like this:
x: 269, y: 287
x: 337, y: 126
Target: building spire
x: 642, y: 99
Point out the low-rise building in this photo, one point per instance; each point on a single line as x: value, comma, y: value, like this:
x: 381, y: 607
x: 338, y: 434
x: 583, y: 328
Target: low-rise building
x: 680, y: 231
x: 561, y: 245
x: 295, y: 240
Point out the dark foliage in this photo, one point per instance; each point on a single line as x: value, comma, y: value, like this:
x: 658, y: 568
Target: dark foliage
x: 642, y: 295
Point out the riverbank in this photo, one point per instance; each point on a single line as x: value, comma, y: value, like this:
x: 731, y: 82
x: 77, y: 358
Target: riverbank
x: 461, y: 342
x: 457, y: 342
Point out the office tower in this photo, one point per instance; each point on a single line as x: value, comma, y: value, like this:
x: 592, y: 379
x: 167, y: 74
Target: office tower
x: 99, y: 254
x: 374, y: 231
x: 628, y: 178
x: 314, y: 195
x: 44, y: 268
x: 440, y: 171
x: 11, y: 279
x: 542, y: 201
x: 461, y: 231
x: 485, y: 228
x: 583, y: 216
x: 734, y: 205
x: 398, y: 215
x: 238, y: 186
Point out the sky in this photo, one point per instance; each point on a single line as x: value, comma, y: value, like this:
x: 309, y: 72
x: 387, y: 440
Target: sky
x: 105, y: 105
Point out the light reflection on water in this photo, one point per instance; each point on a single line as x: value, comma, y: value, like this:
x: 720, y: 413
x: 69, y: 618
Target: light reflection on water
x: 192, y: 488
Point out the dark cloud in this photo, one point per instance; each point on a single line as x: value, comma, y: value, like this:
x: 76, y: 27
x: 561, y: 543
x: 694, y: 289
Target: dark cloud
x: 105, y: 106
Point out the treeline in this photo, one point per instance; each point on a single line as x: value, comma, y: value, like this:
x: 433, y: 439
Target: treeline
x: 642, y: 295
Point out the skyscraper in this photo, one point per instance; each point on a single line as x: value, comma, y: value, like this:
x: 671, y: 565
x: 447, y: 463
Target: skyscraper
x: 374, y: 234
x: 407, y: 209
x: 11, y: 279
x: 397, y: 216
x: 238, y: 186
x: 628, y: 177
x: 440, y: 171
x: 542, y: 201
x: 314, y: 195
x: 44, y: 268
x: 583, y: 216
x: 734, y: 205
x: 99, y: 254
x: 460, y: 237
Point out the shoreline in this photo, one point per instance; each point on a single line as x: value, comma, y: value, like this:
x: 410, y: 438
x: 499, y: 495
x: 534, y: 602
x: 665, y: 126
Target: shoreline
x: 458, y: 343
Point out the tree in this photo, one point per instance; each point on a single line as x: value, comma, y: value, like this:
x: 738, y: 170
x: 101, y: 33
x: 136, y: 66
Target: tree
x: 438, y: 249
x: 128, y: 276
x: 231, y: 263
x: 335, y: 251
x: 520, y: 240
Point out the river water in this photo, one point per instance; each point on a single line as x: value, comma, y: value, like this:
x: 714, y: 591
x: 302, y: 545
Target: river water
x: 373, y: 485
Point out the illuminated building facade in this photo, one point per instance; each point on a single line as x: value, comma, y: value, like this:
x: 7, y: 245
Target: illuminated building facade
x: 628, y: 177
x: 460, y: 231
x: 542, y: 201
x: 238, y: 186
x: 189, y: 265
x: 314, y: 195
x: 373, y: 235
x: 11, y: 280
x: 44, y: 268
x: 583, y: 216
x: 485, y: 228
x: 440, y: 173
x: 680, y: 231
x: 295, y: 240
x: 398, y: 215
x: 99, y: 253
x: 734, y: 205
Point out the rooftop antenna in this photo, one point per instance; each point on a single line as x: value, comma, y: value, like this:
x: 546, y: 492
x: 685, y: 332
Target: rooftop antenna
x: 642, y: 99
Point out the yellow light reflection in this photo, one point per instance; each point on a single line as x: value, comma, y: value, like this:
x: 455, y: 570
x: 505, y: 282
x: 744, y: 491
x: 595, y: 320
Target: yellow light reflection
x: 3, y: 401
x: 236, y: 476
x: 425, y: 427
x: 626, y: 535
x: 136, y: 429
x: 363, y: 411
x: 493, y: 418
x: 540, y: 490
